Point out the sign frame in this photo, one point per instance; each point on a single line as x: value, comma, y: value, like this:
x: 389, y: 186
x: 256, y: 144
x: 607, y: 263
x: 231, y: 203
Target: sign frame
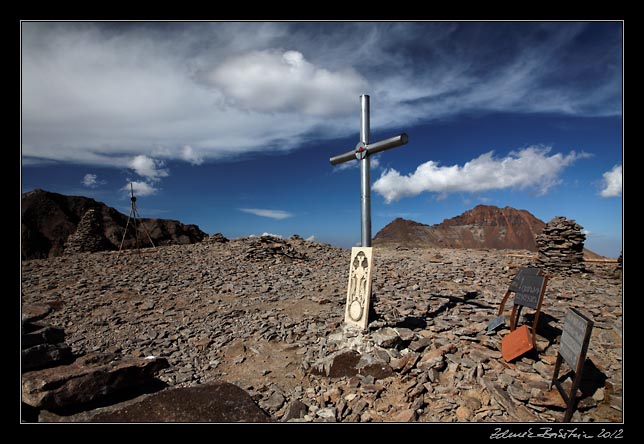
x: 575, y: 320
x: 498, y: 321
x: 516, y: 309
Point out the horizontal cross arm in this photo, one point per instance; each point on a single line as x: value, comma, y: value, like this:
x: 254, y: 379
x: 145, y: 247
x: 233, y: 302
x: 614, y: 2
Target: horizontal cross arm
x: 373, y: 148
x: 386, y: 144
x: 341, y: 158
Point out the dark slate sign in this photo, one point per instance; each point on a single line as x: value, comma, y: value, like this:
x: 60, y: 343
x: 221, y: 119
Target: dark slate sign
x: 528, y: 271
x: 529, y: 290
x: 575, y: 337
x: 495, y: 323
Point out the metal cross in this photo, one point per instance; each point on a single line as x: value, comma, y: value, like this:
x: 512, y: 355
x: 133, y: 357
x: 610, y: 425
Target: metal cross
x: 362, y: 152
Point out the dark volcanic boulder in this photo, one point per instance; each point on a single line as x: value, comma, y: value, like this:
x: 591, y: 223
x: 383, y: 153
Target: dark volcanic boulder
x: 45, y: 355
x: 216, y: 402
x: 87, y: 379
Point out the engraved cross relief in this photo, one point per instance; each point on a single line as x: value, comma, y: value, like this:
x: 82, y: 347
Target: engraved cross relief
x: 359, y: 288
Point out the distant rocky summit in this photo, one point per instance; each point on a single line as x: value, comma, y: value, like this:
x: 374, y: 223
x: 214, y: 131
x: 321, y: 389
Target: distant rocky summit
x: 51, y: 225
x: 484, y: 226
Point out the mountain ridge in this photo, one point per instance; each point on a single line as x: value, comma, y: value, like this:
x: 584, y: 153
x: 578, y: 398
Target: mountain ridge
x: 484, y: 226
x: 48, y: 219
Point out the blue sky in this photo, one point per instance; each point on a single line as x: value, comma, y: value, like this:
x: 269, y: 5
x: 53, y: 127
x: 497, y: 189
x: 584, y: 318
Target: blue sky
x: 230, y: 126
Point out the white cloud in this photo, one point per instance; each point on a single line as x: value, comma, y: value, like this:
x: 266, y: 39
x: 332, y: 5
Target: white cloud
x: 275, y: 81
x: 586, y: 232
x: 140, y: 188
x: 89, y: 180
x: 189, y: 155
x: 103, y: 93
x: 612, y: 182
x: 147, y: 167
x: 267, y: 234
x: 530, y: 167
x: 273, y: 214
x: 311, y: 238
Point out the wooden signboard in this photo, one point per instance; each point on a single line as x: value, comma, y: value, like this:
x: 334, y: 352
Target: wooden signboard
x: 529, y: 294
x: 529, y: 291
x: 572, y: 349
x: 527, y: 271
x: 514, y: 287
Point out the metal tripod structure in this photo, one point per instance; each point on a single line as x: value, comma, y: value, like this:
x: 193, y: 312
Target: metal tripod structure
x: 134, y: 214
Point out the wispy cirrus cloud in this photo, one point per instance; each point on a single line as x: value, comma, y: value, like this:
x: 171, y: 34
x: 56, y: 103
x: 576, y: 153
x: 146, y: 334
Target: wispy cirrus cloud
x: 105, y: 93
x: 272, y: 214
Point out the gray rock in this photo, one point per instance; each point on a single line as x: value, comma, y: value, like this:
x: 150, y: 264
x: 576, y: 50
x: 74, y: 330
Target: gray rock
x: 517, y: 392
x: 45, y: 355
x: 386, y: 338
x: 274, y: 402
x: 219, y: 402
x: 338, y: 364
x: 34, y: 312
x: 544, y: 370
x: 42, y: 334
x: 296, y: 409
x: 87, y: 379
x: 326, y: 414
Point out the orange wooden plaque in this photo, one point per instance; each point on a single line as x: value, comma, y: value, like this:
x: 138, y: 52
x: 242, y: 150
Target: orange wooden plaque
x: 516, y: 343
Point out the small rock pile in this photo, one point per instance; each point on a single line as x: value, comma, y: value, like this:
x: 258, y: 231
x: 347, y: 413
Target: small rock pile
x: 42, y: 345
x: 217, y: 238
x: 53, y: 378
x: 561, y: 246
x: 268, y: 247
x: 88, y: 237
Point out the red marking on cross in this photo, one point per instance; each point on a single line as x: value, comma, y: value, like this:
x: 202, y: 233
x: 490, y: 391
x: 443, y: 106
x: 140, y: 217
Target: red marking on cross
x: 360, y: 149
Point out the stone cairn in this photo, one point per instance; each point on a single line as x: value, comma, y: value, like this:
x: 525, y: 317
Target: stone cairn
x: 267, y: 247
x: 618, y: 268
x: 88, y: 237
x: 561, y: 246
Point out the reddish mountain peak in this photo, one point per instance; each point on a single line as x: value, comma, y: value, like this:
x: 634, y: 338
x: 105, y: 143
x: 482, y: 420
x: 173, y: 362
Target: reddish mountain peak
x: 399, y: 221
x: 484, y: 226
x: 490, y: 215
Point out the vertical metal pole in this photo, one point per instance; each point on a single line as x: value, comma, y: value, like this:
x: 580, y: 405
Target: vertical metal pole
x: 365, y: 179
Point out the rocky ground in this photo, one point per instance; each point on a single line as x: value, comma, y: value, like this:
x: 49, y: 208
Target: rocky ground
x: 267, y: 316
